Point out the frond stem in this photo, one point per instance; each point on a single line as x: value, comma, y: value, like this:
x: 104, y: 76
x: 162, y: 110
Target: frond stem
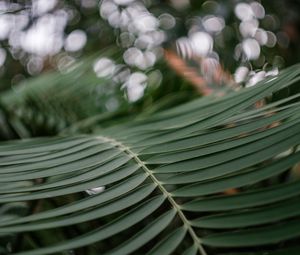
x: 127, y: 150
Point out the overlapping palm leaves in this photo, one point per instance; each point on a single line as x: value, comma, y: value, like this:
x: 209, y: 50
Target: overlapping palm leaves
x: 167, y: 180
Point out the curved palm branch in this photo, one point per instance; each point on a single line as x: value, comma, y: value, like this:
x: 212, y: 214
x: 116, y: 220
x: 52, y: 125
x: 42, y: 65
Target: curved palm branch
x: 214, y: 176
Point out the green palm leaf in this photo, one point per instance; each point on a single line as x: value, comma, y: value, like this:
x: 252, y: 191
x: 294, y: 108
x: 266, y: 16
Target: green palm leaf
x: 162, y: 182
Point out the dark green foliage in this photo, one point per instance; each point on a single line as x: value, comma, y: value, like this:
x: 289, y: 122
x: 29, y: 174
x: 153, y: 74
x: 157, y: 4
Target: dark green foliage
x: 168, y: 177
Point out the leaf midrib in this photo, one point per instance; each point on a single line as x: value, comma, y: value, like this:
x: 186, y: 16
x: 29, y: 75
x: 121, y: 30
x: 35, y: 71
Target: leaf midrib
x: 159, y: 184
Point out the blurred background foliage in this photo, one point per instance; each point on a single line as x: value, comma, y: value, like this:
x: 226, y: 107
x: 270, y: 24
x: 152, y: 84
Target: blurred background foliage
x: 123, y: 57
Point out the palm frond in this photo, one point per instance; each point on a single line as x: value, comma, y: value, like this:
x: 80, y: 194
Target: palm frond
x: 158, y: 185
